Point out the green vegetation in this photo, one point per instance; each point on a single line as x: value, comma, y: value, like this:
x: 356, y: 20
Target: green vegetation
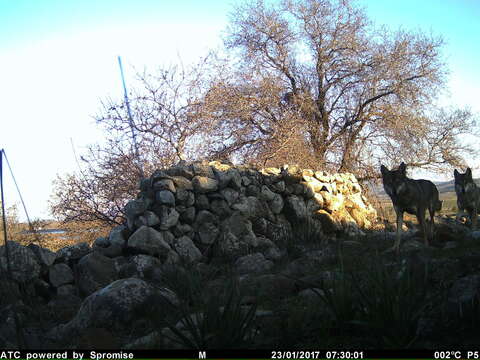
x: 392, y: 300
x: 205, y: 321
x: 362, y: 298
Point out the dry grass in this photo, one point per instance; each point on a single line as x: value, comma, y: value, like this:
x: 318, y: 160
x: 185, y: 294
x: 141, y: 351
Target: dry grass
x: 384, y: 207
x: 75, y: 232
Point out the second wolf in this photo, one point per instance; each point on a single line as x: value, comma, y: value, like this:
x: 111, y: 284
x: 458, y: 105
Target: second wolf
x: 411, y: 196
x: 468, y: 195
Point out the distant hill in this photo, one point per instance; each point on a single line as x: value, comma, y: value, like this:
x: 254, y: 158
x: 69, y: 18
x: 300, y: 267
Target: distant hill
x: 446, y: 186
x: 443, y: 187
x: 449, y: 186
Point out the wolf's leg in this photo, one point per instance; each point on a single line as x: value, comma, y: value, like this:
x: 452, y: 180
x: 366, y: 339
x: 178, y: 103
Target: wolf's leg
x: 459, y: 210
x: 431, y: 210
x: 473, y: 218
x: 396, y: 246
x: 423, y: 225
x: 460, y: 213
x: 469, y: 213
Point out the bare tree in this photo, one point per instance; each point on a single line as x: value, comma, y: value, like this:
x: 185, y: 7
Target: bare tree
x: 317, y: 76
x: 440, y: 141
x: 167, y: 105
x: 305, y: 81
x: 99, y: 190
x: 166, y: 108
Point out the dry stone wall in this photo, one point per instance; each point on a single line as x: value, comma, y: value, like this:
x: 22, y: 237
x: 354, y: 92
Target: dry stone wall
x: 118, y: 288
x: 214, y: 209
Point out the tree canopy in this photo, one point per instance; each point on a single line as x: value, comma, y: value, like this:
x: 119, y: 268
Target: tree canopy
x: 317, y: 75
x: 311, y: 82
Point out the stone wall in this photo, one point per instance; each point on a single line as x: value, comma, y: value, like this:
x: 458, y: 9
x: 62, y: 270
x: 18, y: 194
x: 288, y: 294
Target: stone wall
x: 213, y: 209
x: 184, y: 214
x: 119, y: 292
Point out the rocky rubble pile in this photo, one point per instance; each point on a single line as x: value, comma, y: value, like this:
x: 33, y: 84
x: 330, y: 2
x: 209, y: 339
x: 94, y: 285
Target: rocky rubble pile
x: 79, y: 298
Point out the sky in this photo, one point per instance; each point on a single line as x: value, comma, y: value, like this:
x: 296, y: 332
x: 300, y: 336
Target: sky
x: 58, y: 60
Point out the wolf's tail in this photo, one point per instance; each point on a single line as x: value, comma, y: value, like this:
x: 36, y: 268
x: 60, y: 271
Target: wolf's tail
x: 438, y: 205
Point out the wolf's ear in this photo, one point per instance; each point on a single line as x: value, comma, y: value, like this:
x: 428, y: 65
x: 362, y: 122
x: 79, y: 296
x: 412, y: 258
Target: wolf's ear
x: 402, y: 167
x: 468, y: 173
x: 456, y: 173
x: 383, y: 169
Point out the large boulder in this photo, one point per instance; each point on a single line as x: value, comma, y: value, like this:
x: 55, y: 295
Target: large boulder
x: 149, y: 241
x: 464, y: 297
x: 113, y: 245
x: 133, y: 209
x: 9, y: 291
x: 45, y: 257
x: 94, y: 271
x: 63, y: 308
x: 114, y: 307
x: 202, y: 184
x: 208, y: 233
x: 187, y: 250
x: 220, y: 208
x: 181, y: 169
x: 67, y: 290
x: 230, y: 195
x: 276, y: 205
x: 230, y: 177
x: 238, y: 225
x: 251, y: 206
x: 111, y: 250
x: 202, y: 202
x: 203, y: 169
x: 182, y: 183
x: 206, y: 227
x: 328, y: 223
x: 118, y: 235
x: 268, y: 248
x: 185, y: 197
x: 23, y: 262
x: 60, y: 274
x: 224, y: 176
x: 165, y: 197
x: 266, y: 194
x: 164, y: 184
x: 144, y: 264
x: 231, y: 247
x: 73, y: 253
x: 188, y: 215
x: 168, y: 216
x: 253, y: 263
x: 295, y: 208
x: 291, y: 174
x: 149, y: 218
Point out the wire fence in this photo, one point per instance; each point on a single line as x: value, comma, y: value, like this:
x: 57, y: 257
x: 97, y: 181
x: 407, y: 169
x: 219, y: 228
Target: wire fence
x: 8, y: 275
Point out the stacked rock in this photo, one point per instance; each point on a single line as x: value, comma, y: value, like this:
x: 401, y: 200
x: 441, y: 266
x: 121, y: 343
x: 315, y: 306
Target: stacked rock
x: 183, y: 214
x: 190, y: 210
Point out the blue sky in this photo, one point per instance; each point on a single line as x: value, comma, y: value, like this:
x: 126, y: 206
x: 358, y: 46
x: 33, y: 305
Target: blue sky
x: 457, y: 21
x: 58, y: 60
x: 30, y: 20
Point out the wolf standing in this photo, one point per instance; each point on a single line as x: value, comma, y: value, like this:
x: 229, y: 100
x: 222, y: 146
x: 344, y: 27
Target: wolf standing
x: 468, y: 195
x: 411, y: 196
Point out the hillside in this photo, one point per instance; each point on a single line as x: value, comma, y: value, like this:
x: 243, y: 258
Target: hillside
x: 442, y: 186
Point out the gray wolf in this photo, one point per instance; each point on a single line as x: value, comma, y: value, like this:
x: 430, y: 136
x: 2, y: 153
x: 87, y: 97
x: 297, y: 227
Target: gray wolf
x: 411, y: 196
x: 468, y: 195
